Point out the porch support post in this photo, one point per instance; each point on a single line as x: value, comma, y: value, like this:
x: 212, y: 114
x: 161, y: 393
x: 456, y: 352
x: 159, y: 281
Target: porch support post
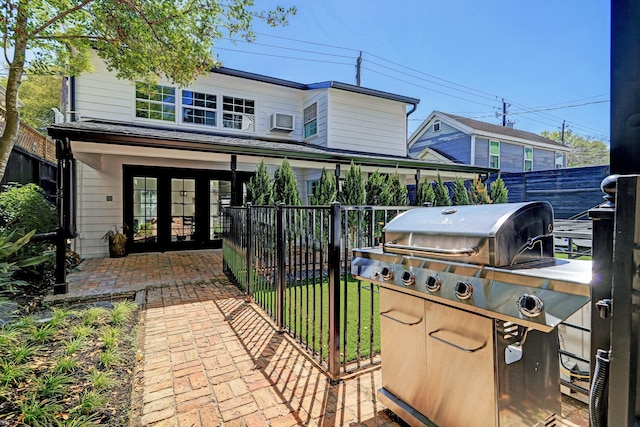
x: 334, y: 293
x: 234, y: 182
x: 66, y: 210
x: 338, y: 180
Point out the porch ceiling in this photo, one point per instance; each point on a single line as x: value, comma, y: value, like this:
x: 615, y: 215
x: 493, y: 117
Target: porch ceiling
x: 140, y: 136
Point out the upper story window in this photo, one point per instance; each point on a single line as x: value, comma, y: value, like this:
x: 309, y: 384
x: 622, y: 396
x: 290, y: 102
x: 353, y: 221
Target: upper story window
x: 494, y: 154
x: 528, y: 159
x: 559, y: 160
x: 436, y: 126
x: 155, y: 102
x: 238, y: 113
x: 311, y: 120
x: 199, y: 108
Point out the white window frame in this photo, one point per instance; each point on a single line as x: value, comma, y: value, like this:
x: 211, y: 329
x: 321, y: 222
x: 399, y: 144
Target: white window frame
x: 496, y: 156
x: 238, y: 113
x: 310, y: 120
x: 528, y: 160
x: 201, y: 102
x: 437, y: 126
x: 159, y: 100
x: 559, y: 155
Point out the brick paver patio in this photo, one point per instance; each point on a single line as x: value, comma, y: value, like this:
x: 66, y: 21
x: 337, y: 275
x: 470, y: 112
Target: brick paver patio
x: 211, y: 359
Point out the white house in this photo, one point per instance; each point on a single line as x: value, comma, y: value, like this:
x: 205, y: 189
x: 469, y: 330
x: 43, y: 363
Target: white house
x: 164, y: 160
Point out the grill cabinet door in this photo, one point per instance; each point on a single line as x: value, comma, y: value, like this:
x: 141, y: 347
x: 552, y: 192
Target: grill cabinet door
x: 402, y: 334
x: 460, y: 368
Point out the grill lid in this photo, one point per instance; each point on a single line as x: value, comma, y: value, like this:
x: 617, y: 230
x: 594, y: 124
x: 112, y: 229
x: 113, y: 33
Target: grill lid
x: 497, y: 235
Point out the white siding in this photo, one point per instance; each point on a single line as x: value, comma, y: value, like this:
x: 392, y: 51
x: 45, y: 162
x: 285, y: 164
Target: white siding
x: 320, y: 97
x: 366, y: 124
x: 100, y: 95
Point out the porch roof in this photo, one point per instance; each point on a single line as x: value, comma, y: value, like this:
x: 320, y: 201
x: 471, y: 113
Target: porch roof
x: 153, y: 137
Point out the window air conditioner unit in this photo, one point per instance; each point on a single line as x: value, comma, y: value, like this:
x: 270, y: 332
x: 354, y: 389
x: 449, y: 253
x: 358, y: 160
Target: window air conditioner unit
x: 281, y: 122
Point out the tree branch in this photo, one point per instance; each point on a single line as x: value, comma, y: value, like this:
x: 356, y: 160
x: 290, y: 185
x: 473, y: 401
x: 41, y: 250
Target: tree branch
x: 60, y: 16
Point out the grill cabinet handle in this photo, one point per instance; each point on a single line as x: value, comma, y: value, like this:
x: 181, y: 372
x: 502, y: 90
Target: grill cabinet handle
x: 385, y: 314
x: 434, y: 251
x: 466, y: 350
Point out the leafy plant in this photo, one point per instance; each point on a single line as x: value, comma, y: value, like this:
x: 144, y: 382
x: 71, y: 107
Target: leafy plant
x: 82, y: 331
x: 26, y: 207
x: 95, y: 316
x: 122, y: 311
x: 441, y: 193
x: 325, y: 192
x: 353, y: 190
x: 498, y: 191
x: 109, y: 336
x: 39, y: 413
x: 460, y: 196
x: 109, y: 358
x: 285, y: 186
x: 90, y: 402
x: 53, y: 384
x: 44, y: 333
x: 73, y: 345
x: 65, y: 364
x: 260, y: 186
x: 11, y: 373
x: 478, y: 194
x: 21, y: 352
x: 100, y: 379
x: 115, y: 235
x: 12, y: 260
x: 425, y: 194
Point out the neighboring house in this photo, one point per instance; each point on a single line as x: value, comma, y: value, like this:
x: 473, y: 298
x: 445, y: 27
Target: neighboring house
x: 472, y: 142
x: 33, y: 158
x: 165, y: 160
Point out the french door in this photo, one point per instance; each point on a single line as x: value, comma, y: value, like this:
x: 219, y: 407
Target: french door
x: 174, y: 209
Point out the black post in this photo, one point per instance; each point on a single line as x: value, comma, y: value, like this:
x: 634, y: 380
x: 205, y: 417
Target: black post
x: 625, y: 86
x: 234, y: 181
x: 334, y: 293
x: 624, y: 322
x: 249, y: 245
x: 280, y: 265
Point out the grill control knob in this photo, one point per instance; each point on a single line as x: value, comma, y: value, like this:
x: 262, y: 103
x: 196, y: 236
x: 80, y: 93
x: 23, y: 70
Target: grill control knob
x: 387, y: 274
x: 463, y: 290
x: 530, y: 305
x: 433, y: 283
x: 408, y: 278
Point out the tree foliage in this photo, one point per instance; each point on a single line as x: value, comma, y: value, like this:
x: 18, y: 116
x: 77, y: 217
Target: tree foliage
x: 399, y: 195
x: 460, y: 196
x: 586, y: 150
x: 285, y: 185
x: 441, y: 193
x: 425, y: 194
x: 136, y: 39
x: 325, y: 192
x: 26, y: 207
x: 377, y: 190
x: 498, y: 191
x: 353, y: 190
x: 478, y: 194
x: 260, y: 186
x: 39, y: 95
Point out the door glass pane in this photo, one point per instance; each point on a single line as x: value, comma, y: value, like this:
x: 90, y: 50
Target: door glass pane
x: 220, y: 198
x: 183, y: 209
x: 145, y: 209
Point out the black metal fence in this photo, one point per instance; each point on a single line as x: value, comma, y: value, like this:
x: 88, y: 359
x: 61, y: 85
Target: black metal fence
x: 294, y: 261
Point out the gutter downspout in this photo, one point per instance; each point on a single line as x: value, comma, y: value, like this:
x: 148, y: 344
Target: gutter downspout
x: 406, y: 127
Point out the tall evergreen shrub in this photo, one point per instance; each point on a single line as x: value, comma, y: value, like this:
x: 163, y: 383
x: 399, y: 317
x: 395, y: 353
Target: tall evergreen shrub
x: 498, y: 191
x: 325, y: 192
x: 425, y: 194
x: 260, y: 186
x: 478, y: 194
x: 460, y: 196
x: 285, y: 185
x: 441, y: 193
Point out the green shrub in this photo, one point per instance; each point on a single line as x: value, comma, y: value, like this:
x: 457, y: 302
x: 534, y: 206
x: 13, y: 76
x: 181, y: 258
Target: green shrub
x: 425, y: 194
x: 499, y: 192
x: 325, y: 192
x: 26, y: 207
x: 460, y: 196
x: 13, y: 260
x: 260, y: 186
x: 285, y: 185
x: 441, y: 193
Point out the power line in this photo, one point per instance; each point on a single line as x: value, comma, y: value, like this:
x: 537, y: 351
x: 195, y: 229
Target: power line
x: 308, y: 42
x: 291, y: 48
x: 548, y: 109
x: 282, y: 56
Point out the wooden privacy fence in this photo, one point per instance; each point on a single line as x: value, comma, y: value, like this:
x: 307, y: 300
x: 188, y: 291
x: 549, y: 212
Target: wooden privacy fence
x: 294, y: 261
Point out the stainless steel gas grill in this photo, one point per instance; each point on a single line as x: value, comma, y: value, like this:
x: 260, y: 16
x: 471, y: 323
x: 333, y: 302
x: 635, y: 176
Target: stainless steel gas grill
x: 470, y: 297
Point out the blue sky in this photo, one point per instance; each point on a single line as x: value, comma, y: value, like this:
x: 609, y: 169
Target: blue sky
x: 456, y: 56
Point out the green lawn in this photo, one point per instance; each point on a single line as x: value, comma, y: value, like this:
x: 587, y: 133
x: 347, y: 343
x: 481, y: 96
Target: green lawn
x: 307, y: 316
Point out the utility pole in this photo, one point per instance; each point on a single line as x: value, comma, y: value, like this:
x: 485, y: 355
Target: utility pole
x: 563, y: 124
x: 358, y: 66
x: 504, y: 112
